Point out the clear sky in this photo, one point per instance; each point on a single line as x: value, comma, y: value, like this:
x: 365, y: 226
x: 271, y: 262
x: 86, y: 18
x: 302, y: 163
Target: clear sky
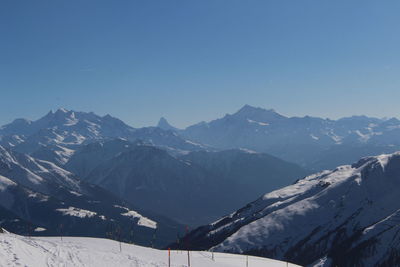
x: 197, y: 60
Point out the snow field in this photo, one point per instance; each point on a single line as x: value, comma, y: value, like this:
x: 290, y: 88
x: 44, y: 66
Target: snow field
x: 81, y: 251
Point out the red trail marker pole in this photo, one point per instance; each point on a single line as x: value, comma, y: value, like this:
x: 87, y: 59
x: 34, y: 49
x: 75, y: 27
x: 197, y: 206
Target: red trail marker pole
x: 169, y: 257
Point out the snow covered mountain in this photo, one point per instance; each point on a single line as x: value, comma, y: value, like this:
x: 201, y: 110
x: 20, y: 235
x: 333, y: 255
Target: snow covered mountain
x: 300, y: 140
x: 186, y: 188
x: 349, y: 216
x: 79, y: 251
x: 68, y: 127
x: 313, y: 143
x: 57, y: 135
x: 40, y: 193
x: 39, y: 175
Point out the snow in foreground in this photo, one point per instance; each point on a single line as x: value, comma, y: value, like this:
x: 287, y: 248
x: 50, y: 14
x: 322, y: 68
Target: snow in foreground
x: 79, y: 251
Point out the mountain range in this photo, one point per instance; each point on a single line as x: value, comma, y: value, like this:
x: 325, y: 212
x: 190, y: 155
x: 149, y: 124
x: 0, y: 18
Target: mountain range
x: 57, y: 135
x: 314, y: 143
x: 311, y: 142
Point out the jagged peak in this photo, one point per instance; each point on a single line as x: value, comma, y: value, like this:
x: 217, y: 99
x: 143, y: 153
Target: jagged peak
x: 251, y: 109
x: 247, y: 108
x: 62, y: 114
x: 62, y: 110
x: 163, y: 120
x: 107, y: 116
x: 164, y: 124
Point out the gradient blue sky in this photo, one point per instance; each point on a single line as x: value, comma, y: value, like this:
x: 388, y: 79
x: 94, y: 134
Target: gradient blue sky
x: 197, y: 60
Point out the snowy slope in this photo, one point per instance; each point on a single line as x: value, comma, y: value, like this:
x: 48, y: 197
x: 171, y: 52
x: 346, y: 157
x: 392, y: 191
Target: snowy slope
x: 74, y: 251
x: 23, y: 210
x: 43, y: 194
x: 39, y: 175
x: 345, y: 217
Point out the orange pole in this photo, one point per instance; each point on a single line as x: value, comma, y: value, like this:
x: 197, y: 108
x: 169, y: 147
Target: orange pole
x: 169, y: 257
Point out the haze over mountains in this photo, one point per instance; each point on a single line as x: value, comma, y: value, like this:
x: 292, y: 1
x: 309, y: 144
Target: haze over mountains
x: 186, y: 188
x: 314, y: 143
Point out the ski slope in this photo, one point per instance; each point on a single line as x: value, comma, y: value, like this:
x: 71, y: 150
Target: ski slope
x: 81, y: 251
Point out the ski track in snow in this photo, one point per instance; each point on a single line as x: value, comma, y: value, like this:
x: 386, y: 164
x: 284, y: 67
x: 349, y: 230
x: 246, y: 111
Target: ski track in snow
x: 80, y: 251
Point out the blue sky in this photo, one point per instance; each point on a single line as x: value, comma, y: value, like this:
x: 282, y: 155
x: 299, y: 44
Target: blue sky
x: 197, y: 60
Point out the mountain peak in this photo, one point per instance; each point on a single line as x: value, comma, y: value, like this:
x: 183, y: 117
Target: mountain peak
x: 258, y: 114
x: 251, y: 109
x: 57, y: 113
x: 164, y: 124
x: 247, y: 107
x: 61, y: 115
x: 62, y: 110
